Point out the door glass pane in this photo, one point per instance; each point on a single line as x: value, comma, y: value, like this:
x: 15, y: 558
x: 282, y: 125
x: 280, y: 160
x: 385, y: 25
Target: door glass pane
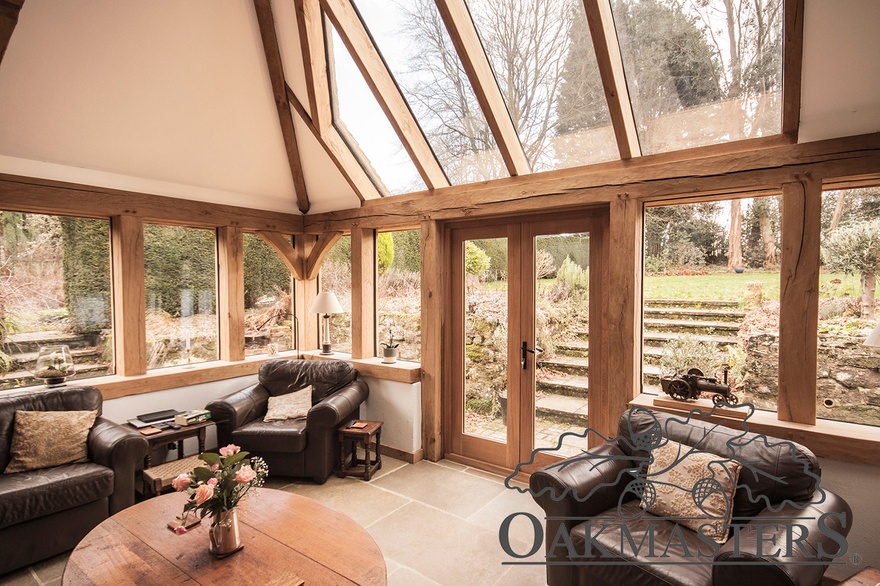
x: 485, y: 338
x: 562, y: 311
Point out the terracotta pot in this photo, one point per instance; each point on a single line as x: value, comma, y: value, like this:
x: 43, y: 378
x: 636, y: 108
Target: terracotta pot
x: 225, y: 538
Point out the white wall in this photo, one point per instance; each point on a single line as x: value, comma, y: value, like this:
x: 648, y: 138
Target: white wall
x: 859, y: 485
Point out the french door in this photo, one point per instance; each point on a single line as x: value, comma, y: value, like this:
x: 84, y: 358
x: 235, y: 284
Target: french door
x: 524, y: 295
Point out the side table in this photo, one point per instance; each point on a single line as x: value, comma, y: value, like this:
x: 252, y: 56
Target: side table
x: 868, y: 577
x: 168, y: 436
x: 370, y: 438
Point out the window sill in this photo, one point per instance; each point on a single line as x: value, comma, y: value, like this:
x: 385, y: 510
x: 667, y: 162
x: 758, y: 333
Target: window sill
x: 848, y: 442
x: 404, y: 372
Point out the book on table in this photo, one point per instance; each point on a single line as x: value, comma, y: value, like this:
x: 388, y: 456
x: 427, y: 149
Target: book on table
x: 158, y: 416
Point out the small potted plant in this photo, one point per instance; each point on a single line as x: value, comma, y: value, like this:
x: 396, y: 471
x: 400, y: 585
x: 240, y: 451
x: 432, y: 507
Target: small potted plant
x: 389, y: 349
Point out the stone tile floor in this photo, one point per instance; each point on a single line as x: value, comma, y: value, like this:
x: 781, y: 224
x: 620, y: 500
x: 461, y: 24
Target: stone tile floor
x: 436, y: 523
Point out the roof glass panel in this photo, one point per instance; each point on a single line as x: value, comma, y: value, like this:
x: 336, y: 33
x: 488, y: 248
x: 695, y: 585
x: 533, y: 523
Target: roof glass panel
x: 701, y: 72
x: 363, y: 124
x: 542, y: 55
x: 418, y: 51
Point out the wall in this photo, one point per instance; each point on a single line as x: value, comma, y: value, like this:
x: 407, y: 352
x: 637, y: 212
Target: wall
x: 857, y: 484
x: 399, y: 405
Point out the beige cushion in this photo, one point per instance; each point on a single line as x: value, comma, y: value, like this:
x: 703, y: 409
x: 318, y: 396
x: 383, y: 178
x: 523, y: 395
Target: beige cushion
x: 290, y: 406
x: 41, y: 439
x: 695, y: 488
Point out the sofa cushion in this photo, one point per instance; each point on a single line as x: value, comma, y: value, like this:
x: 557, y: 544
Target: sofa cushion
x: 37, y: 493
x: 42, y: 439
x: 290, y: 406
x: 288, y: 435
x: 282, y: 376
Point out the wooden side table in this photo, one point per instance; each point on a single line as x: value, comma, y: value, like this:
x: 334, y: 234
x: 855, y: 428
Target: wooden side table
x: 370, y: 438
x: 169, y: 436
x: 868, y: 577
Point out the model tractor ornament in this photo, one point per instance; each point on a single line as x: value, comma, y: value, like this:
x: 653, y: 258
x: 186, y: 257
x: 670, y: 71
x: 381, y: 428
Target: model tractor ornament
x: 689, y: 386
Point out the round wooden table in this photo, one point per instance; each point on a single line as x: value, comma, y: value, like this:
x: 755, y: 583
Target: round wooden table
x: 285, y: 537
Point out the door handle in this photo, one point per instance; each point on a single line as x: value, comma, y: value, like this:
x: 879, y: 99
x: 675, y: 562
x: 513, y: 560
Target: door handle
x: 525, y: 354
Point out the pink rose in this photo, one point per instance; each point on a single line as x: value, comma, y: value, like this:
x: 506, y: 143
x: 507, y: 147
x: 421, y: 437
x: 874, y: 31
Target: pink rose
x: 229, y: 450
x: 215, y: 467
x: 203, y: 493
x: 180, y: 530
x: 212, y: 482
x: 181, y: 482
x: 245, y: 474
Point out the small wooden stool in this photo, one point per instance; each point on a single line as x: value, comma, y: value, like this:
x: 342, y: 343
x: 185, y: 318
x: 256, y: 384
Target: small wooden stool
x: 159, y: 477
x: 369, y: 437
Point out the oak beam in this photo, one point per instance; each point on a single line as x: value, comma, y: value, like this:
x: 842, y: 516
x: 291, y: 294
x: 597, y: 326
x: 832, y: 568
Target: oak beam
x: 313, y: 47
x: 610, y: 62
x: 230, y: 292
x: 339, y: 152
x: 276, y: 76
x: 9, y: 10
x: 792, y: 64
x: 365, y: 54
x: 476, y: 65
x: 286, y: 251
x: 363, y: 293
x: 433, y: 311
x: 799, y: 300
x: 623, y: 322
x: 318, y: 253
x: 129, y: 298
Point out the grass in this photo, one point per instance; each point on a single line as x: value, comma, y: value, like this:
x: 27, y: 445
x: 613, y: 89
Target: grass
x: 730, y: 286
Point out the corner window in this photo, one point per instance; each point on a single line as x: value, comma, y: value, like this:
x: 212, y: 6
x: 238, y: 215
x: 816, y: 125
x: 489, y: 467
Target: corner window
x: 180, y: 278
x: 267, y: 300
x: 54, y: 291
x: 399, y: 292
x: 711, y: 295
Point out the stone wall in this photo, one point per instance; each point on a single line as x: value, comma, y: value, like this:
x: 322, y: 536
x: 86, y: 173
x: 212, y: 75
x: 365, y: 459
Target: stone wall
x: 848, y: 377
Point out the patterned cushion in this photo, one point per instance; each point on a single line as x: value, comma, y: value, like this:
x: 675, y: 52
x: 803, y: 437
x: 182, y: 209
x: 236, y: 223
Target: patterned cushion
x: 49, y: 438
x: 290, y: 406
x: 692, y: 488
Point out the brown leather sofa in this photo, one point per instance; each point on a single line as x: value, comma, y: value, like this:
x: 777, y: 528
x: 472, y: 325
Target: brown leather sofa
x: 294, y: 447
x: 777, y: 497
x: 48, y: 511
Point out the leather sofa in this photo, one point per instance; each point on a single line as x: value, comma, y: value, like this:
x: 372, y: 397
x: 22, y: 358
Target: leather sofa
x: 305, y: 447
x: 592, y: 508
x: 48, y: 511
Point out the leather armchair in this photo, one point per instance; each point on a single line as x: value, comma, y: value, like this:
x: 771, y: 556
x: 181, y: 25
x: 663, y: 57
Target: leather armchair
x: 294, y: 447
x: 593, y: 514
x: 48, y: 511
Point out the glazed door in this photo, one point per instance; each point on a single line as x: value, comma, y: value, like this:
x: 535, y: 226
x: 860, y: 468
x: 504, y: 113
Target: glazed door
x: 521, y: 308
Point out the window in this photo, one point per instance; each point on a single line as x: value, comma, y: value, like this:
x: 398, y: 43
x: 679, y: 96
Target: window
x: 267, y: 300
x: 419, y: 53
x: 701, y: 72
x: 711, y: 295
x: 335, y: 277
x: 180, y: 278
x: 399, y: 291
x: 848, y: 388
x: 54, y: 290
x: 543, y: 58
x: 364, y: 125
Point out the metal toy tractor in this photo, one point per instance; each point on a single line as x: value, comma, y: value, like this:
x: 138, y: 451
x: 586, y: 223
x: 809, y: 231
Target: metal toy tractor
x: 690, y: 385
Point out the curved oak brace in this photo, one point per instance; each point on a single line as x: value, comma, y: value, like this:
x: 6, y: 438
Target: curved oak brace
x: 319, y: 251
x: 286, y: 251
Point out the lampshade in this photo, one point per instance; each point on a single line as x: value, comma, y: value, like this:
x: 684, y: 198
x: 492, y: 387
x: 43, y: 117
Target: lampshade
x: 873, y: 339
x: 326, y: 302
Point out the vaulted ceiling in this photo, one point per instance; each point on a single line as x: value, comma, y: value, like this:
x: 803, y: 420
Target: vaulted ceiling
x: 231, y: 102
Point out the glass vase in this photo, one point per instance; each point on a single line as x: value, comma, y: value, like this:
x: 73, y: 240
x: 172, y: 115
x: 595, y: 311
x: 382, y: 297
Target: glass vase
x: 54, y: 365
x: 225, y: 537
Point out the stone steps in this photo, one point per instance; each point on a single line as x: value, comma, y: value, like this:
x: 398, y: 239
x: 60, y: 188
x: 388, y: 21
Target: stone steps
x: 561, y: 408
x: 82, y: 355
x: 32, y: 341
x: 569, y: 385
x: 692, y: 326
x: 693, y: 303
x: 684, y: 313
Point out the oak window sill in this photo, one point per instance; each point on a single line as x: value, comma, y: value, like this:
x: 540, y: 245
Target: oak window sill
x: 401, y: 371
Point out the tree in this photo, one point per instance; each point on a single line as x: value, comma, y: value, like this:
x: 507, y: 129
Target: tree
x: 761, y: 227
x: 86, y: 261
x: 476, y: 261
x: 734, y: 247
x: 855, y: 249
x: 384, y: 251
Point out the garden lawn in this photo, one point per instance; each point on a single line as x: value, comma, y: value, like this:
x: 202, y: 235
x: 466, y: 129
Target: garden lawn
x: 730, y: 286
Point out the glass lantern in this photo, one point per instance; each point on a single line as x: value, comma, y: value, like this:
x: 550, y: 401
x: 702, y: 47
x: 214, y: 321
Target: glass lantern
x: 54, y: 365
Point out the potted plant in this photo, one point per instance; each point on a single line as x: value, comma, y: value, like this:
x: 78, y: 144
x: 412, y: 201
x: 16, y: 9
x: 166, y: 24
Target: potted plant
x: 390, y: 349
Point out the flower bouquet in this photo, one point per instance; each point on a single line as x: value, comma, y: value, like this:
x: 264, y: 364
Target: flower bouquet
x: 216, y: 489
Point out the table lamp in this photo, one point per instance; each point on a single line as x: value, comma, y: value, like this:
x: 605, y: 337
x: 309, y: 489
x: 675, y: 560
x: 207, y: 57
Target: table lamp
x: 326, y: 303
x: 873, y: 339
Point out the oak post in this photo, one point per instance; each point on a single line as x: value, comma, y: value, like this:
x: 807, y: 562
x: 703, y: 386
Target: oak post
x: 129, y: 299
x: 305, y: 291
x: 799, y: 300
x: 433, y: 310
x: 230, y: 292
x: 363, y: 293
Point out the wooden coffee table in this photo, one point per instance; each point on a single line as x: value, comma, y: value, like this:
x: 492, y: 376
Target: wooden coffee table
x: 284, y: 535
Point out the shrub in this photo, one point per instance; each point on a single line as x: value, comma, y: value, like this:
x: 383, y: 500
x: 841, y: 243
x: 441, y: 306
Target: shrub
x: 573, y: 276
x: 476, y: 261
x: 384, y: 251
x: 687, y: 352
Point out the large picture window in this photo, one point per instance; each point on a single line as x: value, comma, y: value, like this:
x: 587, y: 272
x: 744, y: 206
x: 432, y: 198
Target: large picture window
x: 180, y: 278
x: 711, y: 295
x: 267, y: 300
x: 54, y: 290
x: 399, y: 292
